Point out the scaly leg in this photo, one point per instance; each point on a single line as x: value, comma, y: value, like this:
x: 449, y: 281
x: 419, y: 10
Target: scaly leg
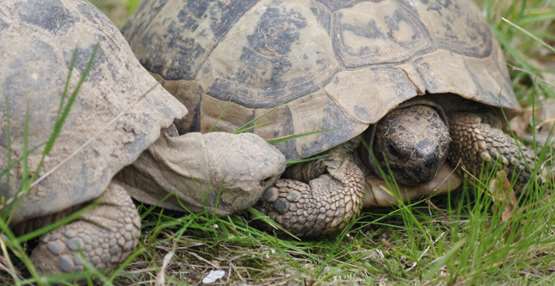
x: 475, y: 143
x: 104, y: 235
x: 330, y: 198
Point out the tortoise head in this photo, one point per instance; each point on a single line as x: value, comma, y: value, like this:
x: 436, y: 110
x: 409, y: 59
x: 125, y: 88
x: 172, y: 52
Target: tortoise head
x: 412, y: 142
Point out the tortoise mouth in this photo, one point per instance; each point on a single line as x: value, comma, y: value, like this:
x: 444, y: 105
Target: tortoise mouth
x: 414, y: 174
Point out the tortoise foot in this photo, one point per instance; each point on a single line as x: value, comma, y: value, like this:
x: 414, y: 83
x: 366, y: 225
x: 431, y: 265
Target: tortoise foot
x: 104, y: 236
x: 476, y: 143
x: 322, y: 206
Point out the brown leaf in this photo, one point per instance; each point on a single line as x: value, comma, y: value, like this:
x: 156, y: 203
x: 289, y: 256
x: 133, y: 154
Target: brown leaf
x: 503, y: 195
x: 520, y: 124
x: 161, y: 276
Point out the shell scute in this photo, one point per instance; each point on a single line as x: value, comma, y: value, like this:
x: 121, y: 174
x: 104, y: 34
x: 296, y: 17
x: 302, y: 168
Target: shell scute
x: 369, y: 102
x: 185, y: 32
x: 456, y: 26
x: 334, y: 67
x: 277, y: 52
x: 375, y: 33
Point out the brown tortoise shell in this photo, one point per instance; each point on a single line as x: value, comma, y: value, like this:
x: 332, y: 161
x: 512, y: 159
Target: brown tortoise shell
x: 322, y: 69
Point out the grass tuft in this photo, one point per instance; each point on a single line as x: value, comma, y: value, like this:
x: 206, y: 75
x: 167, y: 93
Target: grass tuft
x: 462, y: 238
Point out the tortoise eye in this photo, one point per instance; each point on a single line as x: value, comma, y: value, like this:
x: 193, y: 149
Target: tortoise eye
x: 391, y: 149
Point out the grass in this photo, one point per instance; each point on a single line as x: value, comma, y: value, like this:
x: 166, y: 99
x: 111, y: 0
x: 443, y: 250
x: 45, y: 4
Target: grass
x: 29, y: 177
x: 462, y: 238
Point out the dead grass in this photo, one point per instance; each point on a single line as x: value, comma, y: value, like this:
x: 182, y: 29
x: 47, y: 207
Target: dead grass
x: 456, y: 239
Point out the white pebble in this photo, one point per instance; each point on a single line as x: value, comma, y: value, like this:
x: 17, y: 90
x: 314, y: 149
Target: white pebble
x: 213, y: 276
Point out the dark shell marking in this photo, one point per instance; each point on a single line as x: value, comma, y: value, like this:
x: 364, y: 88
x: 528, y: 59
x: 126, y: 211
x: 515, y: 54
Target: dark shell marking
x: 365, y: 56
x: 378, y: 33
x: 49, y: 15
x: 267, y: 51
x: 193, y: 20
x: 335, y: 5
x: 278, y: 62
x: 455, y: 27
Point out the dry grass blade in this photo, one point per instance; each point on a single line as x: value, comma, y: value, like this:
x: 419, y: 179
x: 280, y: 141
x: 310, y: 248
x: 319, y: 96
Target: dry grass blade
x: 161, y: 276
x: 462, y: 241
x: 6, y: 264
x: 526, y: 32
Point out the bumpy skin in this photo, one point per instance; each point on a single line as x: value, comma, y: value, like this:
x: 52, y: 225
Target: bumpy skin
x: 412, y: 142
x: 118, y: 114
x: 219, y: 172
x: 476, y: 143
x: 104, y: 235
x: 304, y: 67
x: 330, y: 198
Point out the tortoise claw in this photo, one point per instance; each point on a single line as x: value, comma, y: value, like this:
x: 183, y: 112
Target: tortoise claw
x: 103, y: 237
x: 476, y: 144
x: 322, y: 206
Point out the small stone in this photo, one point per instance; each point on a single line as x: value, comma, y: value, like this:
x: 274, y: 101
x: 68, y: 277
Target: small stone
x: 78, y: 262
x: 115, y: 258
x: 213, y: 276
x: 86, y: 239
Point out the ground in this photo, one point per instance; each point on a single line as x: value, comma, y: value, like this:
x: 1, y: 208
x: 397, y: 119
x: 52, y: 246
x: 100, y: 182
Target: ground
x: 476, y: 236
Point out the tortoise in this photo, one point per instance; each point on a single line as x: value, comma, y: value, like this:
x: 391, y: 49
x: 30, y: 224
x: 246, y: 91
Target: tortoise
x: 419, y: 84
x: 119, y: 112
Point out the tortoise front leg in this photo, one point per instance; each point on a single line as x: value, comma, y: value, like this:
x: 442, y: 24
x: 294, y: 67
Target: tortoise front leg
x: 330, y: 196
x: 104, y: 235
x: 476, y: 143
